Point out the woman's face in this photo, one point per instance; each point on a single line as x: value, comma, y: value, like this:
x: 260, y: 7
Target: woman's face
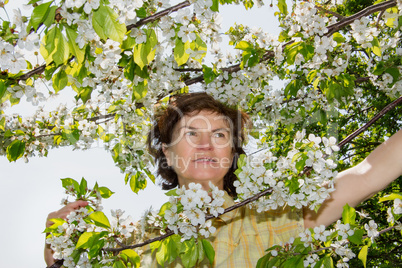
x: 201, y: 149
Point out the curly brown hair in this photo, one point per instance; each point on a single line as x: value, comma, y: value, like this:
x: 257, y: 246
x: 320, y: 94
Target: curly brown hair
x: 185, y: 104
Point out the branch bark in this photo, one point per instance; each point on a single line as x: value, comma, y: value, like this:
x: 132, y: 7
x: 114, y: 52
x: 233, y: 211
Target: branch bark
x: 159, y: 15
x: 365, y: 12
x: 387, y: 108
x: 208, y: 217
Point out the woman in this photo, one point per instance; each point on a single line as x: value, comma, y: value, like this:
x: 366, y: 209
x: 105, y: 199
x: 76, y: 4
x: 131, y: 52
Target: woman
x: 198, y: 139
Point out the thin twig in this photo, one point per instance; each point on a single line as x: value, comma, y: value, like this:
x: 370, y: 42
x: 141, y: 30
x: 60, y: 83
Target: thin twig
x: 387, y: 108
x: 349, y: 138
x: 361, y: 111
x: 188, y: 69
x: 339, y: 16
x: 159, y: 15
x: 379, y: 17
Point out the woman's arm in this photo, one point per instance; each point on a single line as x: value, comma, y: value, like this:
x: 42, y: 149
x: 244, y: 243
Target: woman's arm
x: 360, y: 182
x: 61, y: 213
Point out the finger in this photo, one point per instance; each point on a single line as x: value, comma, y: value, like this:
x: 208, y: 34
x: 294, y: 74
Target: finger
x: 65, y: 211
x: 78, y: 204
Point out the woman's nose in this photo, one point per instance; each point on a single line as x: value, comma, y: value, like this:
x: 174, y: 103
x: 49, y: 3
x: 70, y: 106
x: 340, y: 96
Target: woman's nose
x: 205, y: 141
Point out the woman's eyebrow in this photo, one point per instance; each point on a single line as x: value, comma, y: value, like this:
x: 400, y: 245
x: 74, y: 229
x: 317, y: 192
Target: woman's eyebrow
x: 221, y: 129
x: 213, y: 130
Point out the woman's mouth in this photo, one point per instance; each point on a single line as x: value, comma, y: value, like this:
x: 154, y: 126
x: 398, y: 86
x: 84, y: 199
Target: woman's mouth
x: 205, y: 159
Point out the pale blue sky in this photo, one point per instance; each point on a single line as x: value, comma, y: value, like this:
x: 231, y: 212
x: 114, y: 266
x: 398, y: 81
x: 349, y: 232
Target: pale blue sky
x: 29, y: 191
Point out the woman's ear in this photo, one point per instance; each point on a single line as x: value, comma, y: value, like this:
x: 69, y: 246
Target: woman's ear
x: 165, y: 150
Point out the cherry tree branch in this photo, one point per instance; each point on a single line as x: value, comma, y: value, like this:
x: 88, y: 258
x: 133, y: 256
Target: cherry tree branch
x: 208, y: 217
x: 349, y: 138
x: 385, y: 110
x: 365, y: 12
x: 159, y: 15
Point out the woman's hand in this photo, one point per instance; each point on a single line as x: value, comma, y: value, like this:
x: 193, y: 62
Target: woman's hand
x: 64, y: 211
x: 360, y: 182
x: 61, y: 213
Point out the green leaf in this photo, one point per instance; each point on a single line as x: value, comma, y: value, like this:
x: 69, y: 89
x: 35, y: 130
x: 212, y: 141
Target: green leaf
x: 119, y: 264
x: 209, y: 74
x: 48, y: 46
x: 357, y: 237
x: 198, y: 45
x: 72, y: 135
x: 133, y: 257
x: 3, y: 88
x: 86, y: 239
x: 292, y: 184
x: 100, y: 219
x: 200, y: 251
x: 363, y: 255
x: 293, y: 87
x: 339, y: 38
x: 140, y: 90
x: 179, y: 51
x: 325, y: 262
x: 54, y: 227
x: 128, y: 43
x: 85, y: 94
x: 60, y: 80
x: 392, y: 196
x: 141, y: 12
x: 54, y: 47
x: 136, y: 183
x: 15, y: 150
x: 50, y: 17
x: 349, y: 215
x: 189, y: 255
x: 74, y: 48
x: 66, y: 182
x: 376, y: 47
x: 62, y: 50
x: 105, y: 192
x: 311, y: 76
x: 294, y: 262
x: 301, y: 163
x: 215, y: 5
x: 145, y: 53
x: 39, y: 14
x: 83, y: 186
x: 2, y: 124
x: 96, y: 246
x: 106, y: 24
x: 162, y: 253
x: 209, y: 250
x: 172, y: 192
x: 164, y: 207
x: 292, y: 50
x: 394, y: 72
x: 283, y: 8
x: 244, y: 45
x: 379, y: 68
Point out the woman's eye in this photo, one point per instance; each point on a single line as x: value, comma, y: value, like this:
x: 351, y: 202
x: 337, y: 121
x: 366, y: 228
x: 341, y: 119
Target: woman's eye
x: 191, y: 133
x: 219, y: 135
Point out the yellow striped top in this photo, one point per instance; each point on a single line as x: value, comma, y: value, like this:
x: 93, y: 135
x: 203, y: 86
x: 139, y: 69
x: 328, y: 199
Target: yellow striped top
x: 243, y: 235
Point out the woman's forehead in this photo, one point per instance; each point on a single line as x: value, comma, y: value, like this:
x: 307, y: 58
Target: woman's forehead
x: 204, y: 119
